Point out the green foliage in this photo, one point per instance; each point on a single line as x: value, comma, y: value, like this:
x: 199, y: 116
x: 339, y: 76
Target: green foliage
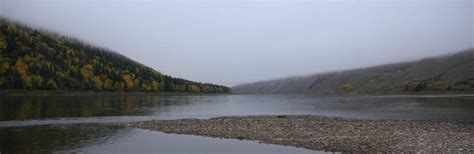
x: 4, y: 68
x: 32, y: 59
x: 3, y: 43
x: 52, y: 84
x: 3, y: 82
x: 467, y: 85
x: 415, y: 85
x: 37, y: 81
x: 437, y: 83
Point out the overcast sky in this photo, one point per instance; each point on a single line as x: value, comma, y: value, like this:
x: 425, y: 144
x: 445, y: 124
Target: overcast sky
x: 236, y: 41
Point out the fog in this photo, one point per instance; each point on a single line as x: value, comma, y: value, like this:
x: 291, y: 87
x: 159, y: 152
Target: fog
x: 236, y: 41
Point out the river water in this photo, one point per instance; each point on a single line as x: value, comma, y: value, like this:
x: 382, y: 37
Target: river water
x: 82, y: 123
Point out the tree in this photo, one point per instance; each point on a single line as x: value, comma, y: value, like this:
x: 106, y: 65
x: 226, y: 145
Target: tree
x: 128, y: 79
x: 4, y: 68
x: 136, y: 83
x: 3, y: 82
x: 51, y: 84
x: 348, y: 87
x: 179, y: 88
x: 154, y: 86
x: 37, y: 81
x: 87, y: 72
x: 194, y: 88
x: 119, y: 86
x: 415, y: 85
x: 108, y: 84
x: 146, y: 87
x: 22, y: 70
x: 3, y: 41
x: 97, y: 82
x: 33, y: 59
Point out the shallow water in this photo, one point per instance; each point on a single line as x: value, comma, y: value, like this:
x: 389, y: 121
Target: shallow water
x: 80, y: 123
x: 100, y: 138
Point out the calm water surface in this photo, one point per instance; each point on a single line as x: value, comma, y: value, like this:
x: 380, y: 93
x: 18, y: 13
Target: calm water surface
x: 81, y: 123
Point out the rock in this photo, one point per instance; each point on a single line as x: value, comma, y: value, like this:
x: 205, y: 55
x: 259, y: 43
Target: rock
x: 331, y: 134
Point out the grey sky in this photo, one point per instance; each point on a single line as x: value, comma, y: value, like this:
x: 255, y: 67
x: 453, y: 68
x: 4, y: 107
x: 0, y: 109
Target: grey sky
x: 235, y: 41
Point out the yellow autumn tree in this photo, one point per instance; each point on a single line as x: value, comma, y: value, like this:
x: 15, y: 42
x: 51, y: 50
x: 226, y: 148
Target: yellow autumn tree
x: 22, y: 70
x: 34, y: 59
x: 146, y: 87
x: 97, y: 82
x: 154, y: 86
x: 194, y: 88
x: 87, y: 72
x: 348, y: 87
x: 128, y: 79
x: 179, y: 88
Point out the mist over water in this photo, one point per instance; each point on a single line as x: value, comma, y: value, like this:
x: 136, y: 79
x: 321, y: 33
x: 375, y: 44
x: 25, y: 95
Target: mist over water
x: 232, y: 42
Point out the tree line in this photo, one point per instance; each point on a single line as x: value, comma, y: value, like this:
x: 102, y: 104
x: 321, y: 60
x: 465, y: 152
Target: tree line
x: 34, y: 59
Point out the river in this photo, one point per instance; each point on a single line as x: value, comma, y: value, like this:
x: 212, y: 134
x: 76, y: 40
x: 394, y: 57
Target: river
x: 82, y: 123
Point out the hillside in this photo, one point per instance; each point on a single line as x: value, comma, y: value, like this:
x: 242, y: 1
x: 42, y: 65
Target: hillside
x: 39, y: 60
x: 437, y: 74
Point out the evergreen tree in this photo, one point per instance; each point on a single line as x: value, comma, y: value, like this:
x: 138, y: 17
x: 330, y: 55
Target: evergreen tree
x: 32, y: 59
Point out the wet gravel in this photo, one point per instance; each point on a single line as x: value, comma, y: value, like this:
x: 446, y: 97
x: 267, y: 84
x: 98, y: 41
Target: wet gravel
x: 329, y: 133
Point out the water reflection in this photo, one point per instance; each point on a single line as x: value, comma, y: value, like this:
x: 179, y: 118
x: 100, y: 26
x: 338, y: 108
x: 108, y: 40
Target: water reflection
x: 99, y: 138
x: 52, y: 138
x: 21, y: 108
x: 466, y: 103
x: 65, y: 123
x: 400, y: 107
x: 203, y: 106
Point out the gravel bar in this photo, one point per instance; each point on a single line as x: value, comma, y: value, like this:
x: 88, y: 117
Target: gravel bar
x: 328, y: 133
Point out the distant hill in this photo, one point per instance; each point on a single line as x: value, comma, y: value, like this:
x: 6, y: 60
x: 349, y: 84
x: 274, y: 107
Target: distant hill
x: 437, y: 74
x: 39, y: 60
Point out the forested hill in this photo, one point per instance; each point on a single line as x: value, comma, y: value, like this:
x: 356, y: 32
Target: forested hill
x: 443, y: 74
x: 40, y: 60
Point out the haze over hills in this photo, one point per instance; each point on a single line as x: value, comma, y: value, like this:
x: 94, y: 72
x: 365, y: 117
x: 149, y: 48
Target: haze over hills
x: 39, y: 60
x: 453, y: 72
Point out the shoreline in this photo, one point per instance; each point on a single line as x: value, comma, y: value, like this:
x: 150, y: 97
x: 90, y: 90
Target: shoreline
x: 22, y: 92
x: 92, y: 93
x: 328, y: 133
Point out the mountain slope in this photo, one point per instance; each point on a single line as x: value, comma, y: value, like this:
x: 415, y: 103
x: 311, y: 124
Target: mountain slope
x: 33, y: 59
x: 445, y: 73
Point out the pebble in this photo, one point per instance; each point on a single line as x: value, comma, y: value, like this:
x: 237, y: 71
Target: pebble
x: 328, y: 133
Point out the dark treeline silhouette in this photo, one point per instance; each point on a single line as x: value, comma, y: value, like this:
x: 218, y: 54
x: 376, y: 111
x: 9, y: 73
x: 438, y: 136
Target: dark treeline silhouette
x: 41, y: 60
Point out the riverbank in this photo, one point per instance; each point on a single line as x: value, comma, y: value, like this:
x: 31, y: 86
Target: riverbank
x: 22, y: 92
x: 328, y: 133
x: 15, y: 92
